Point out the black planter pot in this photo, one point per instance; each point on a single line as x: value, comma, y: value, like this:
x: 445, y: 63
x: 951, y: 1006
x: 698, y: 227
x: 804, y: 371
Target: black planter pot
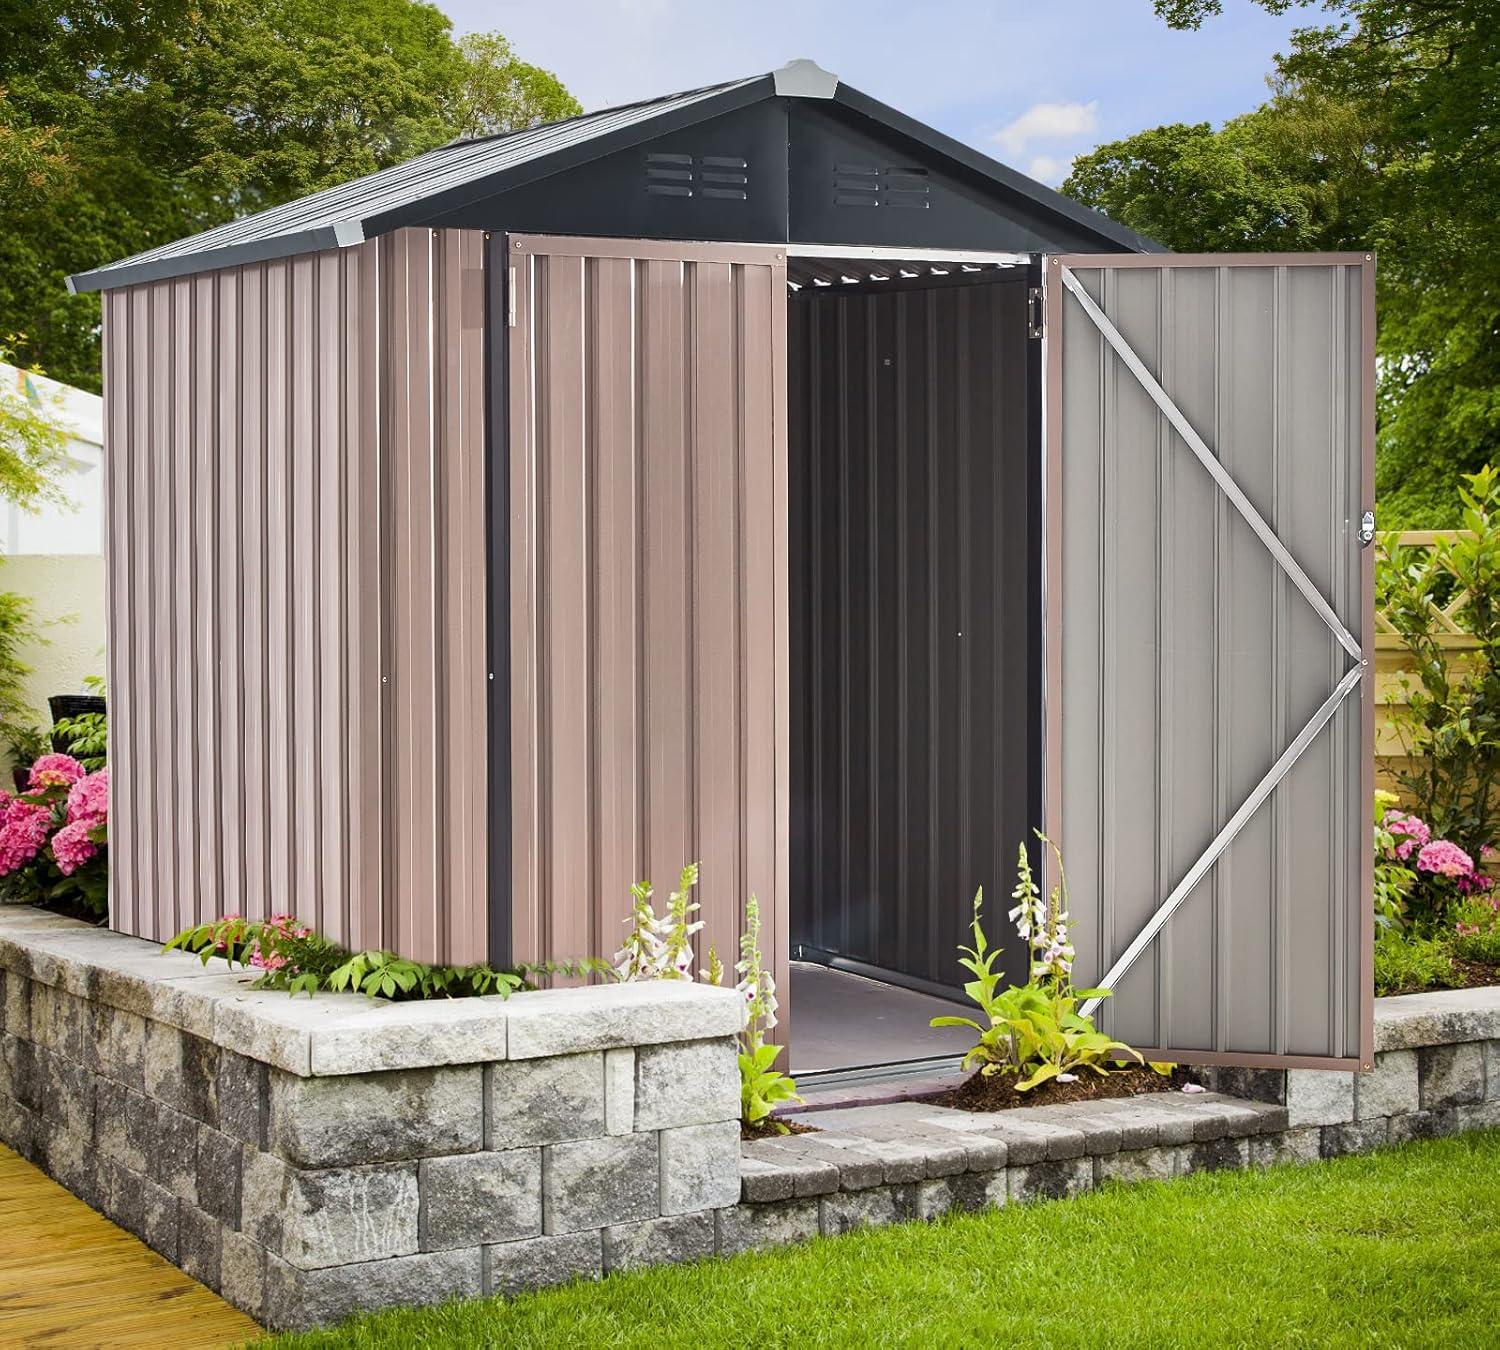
x: 72, y: 705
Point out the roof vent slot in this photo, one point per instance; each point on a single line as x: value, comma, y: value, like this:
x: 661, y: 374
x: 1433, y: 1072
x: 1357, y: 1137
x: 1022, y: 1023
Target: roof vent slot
x: 873, y: 185
x: 717, y: 177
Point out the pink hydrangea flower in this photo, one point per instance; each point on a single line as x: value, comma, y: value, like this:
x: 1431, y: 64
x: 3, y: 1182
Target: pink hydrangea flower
x: 88, y: 798
x: 1445, y: 858
x: 1411, y: 832
x: 72, y: 847
x: 23, y: 835
x: 55, y: 771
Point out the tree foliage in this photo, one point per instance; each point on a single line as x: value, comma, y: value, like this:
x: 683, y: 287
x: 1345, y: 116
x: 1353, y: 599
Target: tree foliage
x: 128, y: 123
x: 1382, y: 132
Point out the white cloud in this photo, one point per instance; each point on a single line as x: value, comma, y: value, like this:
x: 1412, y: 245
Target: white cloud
x: 1047, y: 122
x: 1049, y: 169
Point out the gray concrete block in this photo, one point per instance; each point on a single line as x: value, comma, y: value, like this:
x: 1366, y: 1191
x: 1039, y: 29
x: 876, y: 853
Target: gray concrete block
x: 1319, y: 1097
x: 182, y: 1071
x: 1054, y: 1179
x: 244, y: 1097
x: 857, y: 1166
x: 694, y: 1083
x: 667, y: 1241
x: 221, y: 1163
x: 1361, y: 1136
x: 1492, y: 1070
x: 619, y: 1091
x: 242, y: 1273
x: 1451, y: 1075
x: 17, y: 995
x: 477, y: 1198
x: 1303, y: 1145
x: 604, y: 1017
x: 1132, y: 1165
x: 112, y: 1115
x: 23, y: 1064
x: 1229, y: 1153
x: 1390, y: 1088
x: 980, y: 1190
x: 60, y: 1022
x: 537, y: 1263
x: 67, y: 1094
x: 744, y: 1228
x: 343, y: 1215
x: 787, y: 1169
x: 1439, y: 1018
x: 200, y: 1244
x: 116, y: 1047
x: 700, y: 1167
x: 298, y: 1299
x: 382, y: 1117
x: 72, y: 1160
x: 591, y: 1183
x: 174, y: 1160
x: 844, y: 1211
x: 545, y: 1101
x: 1262, y: 1085
x: 1435, y: 1124
x: 265, y: 1187
x: 1484, y: 1116
x: 762, y: 1180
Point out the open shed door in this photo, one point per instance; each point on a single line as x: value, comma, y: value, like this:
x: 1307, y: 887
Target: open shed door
x: 1209, y: 426
x: 643, y: 399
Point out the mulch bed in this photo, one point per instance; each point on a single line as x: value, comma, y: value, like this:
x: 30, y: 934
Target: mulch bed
x: 768, y: 1129
x: 997, y: 1092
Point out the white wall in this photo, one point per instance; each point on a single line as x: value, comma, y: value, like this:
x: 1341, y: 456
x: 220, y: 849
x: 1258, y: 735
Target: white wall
x: 58, y: 529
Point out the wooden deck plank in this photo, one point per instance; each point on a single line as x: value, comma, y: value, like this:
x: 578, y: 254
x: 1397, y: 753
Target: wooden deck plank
x: 70, y: 1277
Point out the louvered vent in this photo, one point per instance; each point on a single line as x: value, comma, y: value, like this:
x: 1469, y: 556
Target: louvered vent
x: 871, y: 185
x: 718, y: 177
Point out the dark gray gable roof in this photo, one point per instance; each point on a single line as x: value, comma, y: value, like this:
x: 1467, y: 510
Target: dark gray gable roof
x: 353, y: 211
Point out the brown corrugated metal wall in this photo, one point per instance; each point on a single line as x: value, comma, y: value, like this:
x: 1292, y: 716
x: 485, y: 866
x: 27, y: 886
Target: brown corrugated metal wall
x: 296, y: 575
x: 648, y: 570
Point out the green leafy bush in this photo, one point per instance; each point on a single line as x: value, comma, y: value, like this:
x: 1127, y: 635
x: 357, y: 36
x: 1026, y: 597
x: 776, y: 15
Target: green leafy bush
x: 1476, y: 930
x: 1034, y: 1032
x: 1450, y: 721
x: 86, y: 736
x: 1406, y: 963
x: 291, y: 956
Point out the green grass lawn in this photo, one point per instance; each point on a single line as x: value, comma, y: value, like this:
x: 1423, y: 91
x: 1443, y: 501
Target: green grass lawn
x: 1398, y: 1248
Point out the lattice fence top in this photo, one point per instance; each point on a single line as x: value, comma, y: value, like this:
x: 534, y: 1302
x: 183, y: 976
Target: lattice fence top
x: 1444, y: 618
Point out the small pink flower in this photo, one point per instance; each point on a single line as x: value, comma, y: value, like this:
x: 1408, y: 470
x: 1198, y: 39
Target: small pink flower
x: 72, y: 847
x: 1411, y: 832
x: 1445, y: 858
x: 23, y: 835
x: 55, y: 771
x: 88, y: 798
x: 1191, y: 1088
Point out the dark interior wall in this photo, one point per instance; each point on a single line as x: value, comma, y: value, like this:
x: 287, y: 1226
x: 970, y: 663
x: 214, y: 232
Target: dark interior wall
x: 913, y: 619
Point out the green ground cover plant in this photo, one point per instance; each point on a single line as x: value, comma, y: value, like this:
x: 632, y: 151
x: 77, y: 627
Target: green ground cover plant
x: 1398, y: 1248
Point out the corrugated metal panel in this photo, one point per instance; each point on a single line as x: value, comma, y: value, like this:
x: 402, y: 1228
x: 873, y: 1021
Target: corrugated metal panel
x: 648, y: 629
x: 279, y: 548
x: 422, y: 177
x: 1183, y: 661
x: 911, y: 587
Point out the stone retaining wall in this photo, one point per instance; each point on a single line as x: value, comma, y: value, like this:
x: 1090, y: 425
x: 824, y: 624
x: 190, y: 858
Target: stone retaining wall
x: 309, y: 1158
x: 1437, y: 1072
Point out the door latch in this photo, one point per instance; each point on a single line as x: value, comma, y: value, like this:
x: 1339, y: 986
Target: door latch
x: 1034, y: 311
x: 1367, y: 529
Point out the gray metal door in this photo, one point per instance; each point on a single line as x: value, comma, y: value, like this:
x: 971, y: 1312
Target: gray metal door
x: 1209, y: 426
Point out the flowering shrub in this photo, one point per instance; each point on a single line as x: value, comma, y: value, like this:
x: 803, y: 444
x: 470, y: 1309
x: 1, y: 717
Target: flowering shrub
x: 1419, y: 880
x: 291, y: 956
x: 54, y: 837
x: 1034, y: 1032
x: 660, y: 948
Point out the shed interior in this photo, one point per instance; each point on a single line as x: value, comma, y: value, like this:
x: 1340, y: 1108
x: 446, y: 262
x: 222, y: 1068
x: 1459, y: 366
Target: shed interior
x: 914, y: 536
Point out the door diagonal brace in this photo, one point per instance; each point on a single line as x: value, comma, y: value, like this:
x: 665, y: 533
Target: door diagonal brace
x: 1206, y: 457
x: 1225, y: 837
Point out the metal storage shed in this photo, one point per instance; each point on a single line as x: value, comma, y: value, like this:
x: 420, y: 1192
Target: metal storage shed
x: 753, y: 475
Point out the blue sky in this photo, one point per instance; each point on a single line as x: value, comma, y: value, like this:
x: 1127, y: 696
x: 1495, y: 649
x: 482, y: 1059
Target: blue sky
x: 1031, y: 83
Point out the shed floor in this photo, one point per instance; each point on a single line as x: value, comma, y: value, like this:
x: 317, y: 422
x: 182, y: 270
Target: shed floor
x: 844, y: 1021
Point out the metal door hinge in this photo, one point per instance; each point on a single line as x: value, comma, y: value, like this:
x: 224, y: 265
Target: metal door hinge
x: 1367, y: 529
x: 1035, y: 311
x: 510, y: 299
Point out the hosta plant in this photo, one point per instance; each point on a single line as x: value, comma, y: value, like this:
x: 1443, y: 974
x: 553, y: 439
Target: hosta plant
x: 1034, y: 1032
